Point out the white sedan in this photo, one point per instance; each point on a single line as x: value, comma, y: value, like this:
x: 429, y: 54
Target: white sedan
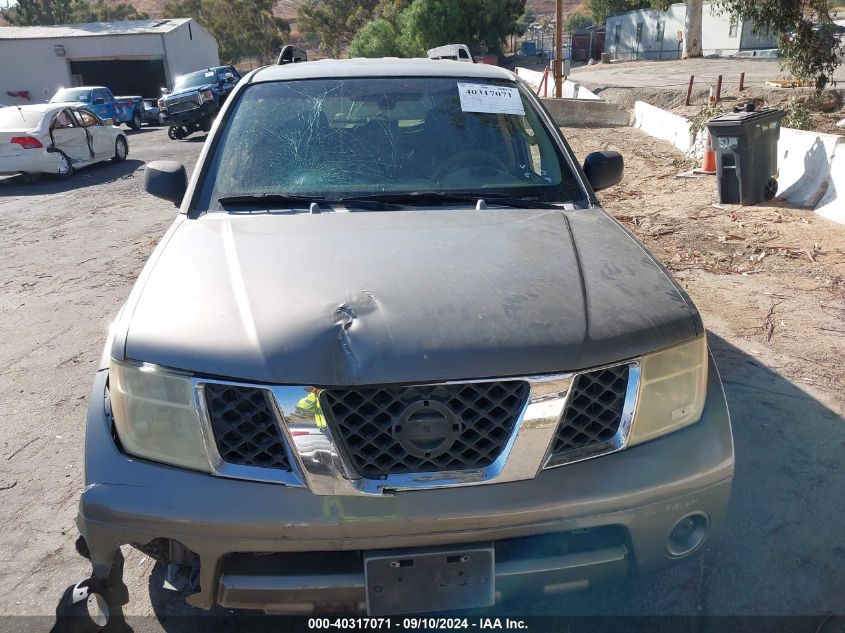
x: 56, y: 138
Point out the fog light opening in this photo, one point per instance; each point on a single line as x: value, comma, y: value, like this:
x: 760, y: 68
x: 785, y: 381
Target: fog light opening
x: 687, y: 534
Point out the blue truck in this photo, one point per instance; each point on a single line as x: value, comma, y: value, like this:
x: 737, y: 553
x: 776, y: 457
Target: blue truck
x: 195, y: 100
x: 104, y: 104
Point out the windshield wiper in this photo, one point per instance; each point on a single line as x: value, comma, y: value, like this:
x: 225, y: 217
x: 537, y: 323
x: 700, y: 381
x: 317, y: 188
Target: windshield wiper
x: 268, y: 200
x: 423, y: 197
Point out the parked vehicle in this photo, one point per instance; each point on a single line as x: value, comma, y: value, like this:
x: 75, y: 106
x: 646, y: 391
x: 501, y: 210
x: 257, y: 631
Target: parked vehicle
x: 57, y: 139
x: 195, y: 100
x: 150, y: 114
x: 101, y: 101
x: 393, y: 335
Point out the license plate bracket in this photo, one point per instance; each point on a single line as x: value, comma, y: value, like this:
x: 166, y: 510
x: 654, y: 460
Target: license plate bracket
x: 432, y: 579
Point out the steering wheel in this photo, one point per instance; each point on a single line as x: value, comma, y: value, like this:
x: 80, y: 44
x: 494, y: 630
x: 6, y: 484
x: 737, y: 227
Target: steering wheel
x: 470, y: 159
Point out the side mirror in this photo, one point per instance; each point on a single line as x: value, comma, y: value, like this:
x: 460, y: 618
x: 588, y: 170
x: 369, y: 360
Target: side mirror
x: 166, y: 179
x: 604, y: 169
x: 99, y: 101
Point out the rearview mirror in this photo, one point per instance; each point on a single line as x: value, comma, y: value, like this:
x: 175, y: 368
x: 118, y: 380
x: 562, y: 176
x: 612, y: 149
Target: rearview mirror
x: 604, y: 169
x: 99, y: 101
x: 166, y: 179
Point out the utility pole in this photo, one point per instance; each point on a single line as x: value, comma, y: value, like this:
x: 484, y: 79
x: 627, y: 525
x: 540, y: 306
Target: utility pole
x: 558, y: 48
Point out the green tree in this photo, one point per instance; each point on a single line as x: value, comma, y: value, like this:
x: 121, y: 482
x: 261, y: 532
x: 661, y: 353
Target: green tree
x: 601, y: 9
x: 47, y: 12
x: 805, y: 32
x: 577, y: 20
x: 335, y: 21
x: 102, y: 11
x: 242, y: 28
x: 482, y: 25
x: 378, y: 38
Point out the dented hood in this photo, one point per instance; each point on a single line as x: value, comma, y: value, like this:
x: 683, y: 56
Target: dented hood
x: 378, y: 297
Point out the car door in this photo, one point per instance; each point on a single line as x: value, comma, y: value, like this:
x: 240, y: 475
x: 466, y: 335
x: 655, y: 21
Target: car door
x: 100, y: 104
x: 101, y: 135
x: 227, y: 77
x: 68, y: 135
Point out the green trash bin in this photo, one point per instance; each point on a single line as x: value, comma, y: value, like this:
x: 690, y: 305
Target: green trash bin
x: 746, y: 146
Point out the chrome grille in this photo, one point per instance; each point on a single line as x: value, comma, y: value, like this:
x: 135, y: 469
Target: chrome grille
x: 594, y: 410
x: 245, y: 426
x: 477, y: 419
x: 182, y: 104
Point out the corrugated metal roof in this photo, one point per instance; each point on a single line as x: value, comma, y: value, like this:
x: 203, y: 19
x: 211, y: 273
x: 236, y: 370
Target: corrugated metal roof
x: 91, y: 29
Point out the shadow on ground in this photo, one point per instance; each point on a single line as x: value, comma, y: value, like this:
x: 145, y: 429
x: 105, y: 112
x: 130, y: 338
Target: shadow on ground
x: 780, y: 554
x: 96, y: 174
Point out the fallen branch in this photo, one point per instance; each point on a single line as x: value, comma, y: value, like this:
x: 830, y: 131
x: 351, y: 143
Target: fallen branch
x: 18, y: 450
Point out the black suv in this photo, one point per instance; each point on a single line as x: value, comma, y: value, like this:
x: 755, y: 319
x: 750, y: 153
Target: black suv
x: 195, y: 100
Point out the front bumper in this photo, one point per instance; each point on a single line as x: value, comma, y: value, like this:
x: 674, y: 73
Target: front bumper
x: 605, y: 517
x: 191, y: 117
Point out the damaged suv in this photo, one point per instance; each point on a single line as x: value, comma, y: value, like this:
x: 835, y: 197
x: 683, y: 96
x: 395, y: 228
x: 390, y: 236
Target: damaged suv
x: 393, y: 356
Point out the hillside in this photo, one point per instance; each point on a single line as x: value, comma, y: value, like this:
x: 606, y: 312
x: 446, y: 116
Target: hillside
x: 287, y: 8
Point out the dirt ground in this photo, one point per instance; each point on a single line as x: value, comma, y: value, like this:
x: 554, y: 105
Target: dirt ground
x: 664, y: 84
x: 768, y: 281
x: 770, y: 275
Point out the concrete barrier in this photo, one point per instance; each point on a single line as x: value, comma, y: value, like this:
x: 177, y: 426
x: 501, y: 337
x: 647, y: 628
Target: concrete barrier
x: 804, y: 165
x: 811, y: 166
x: 832, y: 203
x: 586, y: 113
x: 571, y: 90
x: 666, y: 126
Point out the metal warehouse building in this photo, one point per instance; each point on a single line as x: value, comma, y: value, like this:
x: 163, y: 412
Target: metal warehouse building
x: 135, y: 57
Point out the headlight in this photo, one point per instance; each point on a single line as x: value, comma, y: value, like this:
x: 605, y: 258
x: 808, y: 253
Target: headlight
x: 207, y: 96
x: 155, y: 416
x: 673, y: 386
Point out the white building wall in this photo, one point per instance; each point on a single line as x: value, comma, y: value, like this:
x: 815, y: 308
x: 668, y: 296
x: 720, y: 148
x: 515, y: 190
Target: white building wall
x: 719, y: 34
x: 650, y: 45
x: 718, y: 38
x: 189, y: 47
x: 32, y: 64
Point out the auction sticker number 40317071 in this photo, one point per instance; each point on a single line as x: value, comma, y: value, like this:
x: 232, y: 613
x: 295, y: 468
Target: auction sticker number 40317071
x: 490, y: 99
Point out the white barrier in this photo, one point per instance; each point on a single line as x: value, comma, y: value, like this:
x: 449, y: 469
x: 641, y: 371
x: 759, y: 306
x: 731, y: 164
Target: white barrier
x: 832, y: 204
x: 666, y: 126
x: 571, y: 90
x: 811, y: 166
x: 804, y: 160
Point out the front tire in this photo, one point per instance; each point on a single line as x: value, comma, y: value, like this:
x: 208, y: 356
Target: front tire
x: 121, y: 150
x: 64, y: 168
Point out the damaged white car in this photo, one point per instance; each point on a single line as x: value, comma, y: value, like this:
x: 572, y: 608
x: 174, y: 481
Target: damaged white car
x: 56, y: 139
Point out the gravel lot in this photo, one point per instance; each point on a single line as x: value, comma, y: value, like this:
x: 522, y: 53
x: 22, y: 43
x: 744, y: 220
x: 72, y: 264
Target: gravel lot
x: 71, y: 251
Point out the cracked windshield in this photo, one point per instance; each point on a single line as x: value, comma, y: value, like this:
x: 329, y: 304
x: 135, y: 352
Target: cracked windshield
x: 332, y: 138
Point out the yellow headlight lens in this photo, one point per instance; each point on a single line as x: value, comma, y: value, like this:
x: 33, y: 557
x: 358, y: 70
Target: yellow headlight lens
x: 155, y: 416
x: 673, y: 387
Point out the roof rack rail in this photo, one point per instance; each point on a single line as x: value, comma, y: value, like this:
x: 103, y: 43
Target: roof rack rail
x: 291, y: 54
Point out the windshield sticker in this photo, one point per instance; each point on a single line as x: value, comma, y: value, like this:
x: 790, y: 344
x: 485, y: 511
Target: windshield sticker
x: 211, y: 74
x: 490, y: 99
